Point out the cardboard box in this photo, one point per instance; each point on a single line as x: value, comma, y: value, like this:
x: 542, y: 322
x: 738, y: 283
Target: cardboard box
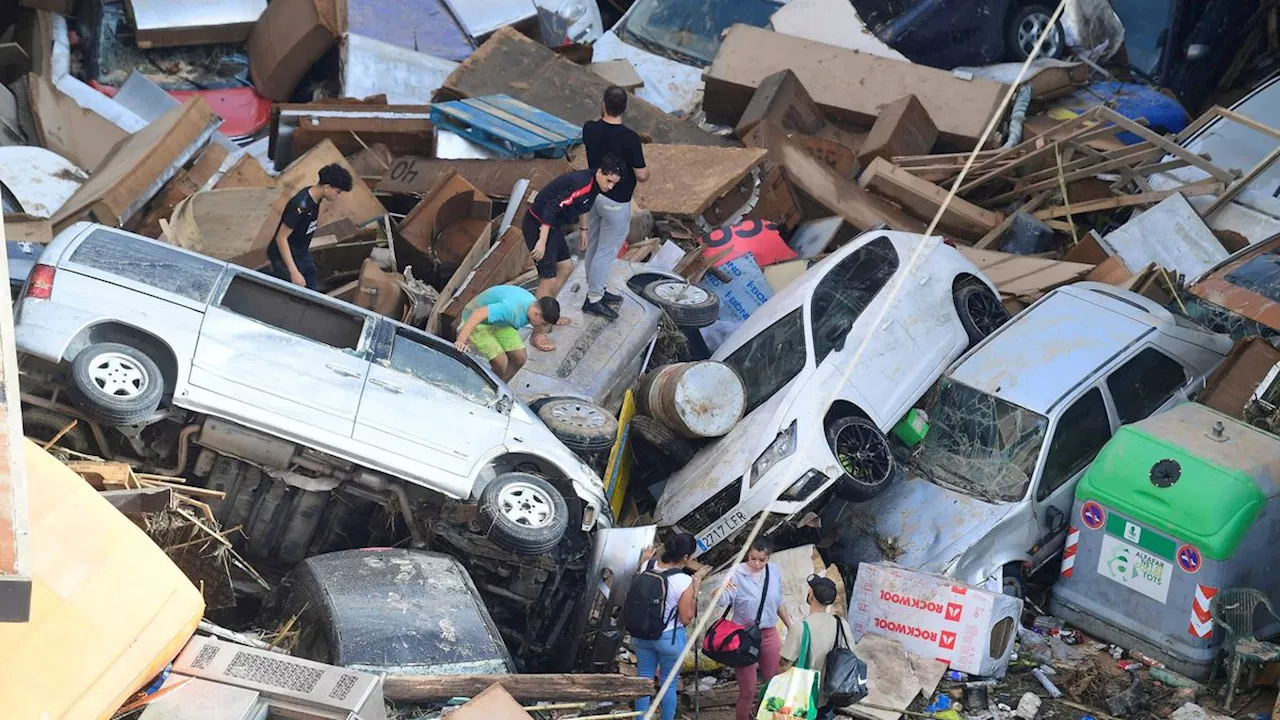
x: 903, y: 128
x: 969, y: 628
x: 782, y: 98
x: 287, y: 40
x: 440, y: 231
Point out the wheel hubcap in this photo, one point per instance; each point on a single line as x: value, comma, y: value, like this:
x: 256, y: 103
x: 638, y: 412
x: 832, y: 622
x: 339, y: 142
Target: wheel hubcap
x: 579, y: 415
x: 678, y: 293
x: 1029, y: 31
x: 525, y: 504
x: 118, y: 375
x: 863, y: 454
x: 986, y: 312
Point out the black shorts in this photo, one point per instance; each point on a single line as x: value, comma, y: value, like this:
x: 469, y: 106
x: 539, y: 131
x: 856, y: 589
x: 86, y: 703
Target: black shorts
x: 557, y: 248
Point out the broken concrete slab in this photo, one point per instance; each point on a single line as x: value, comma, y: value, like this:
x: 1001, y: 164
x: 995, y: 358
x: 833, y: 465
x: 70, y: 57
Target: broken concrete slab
x: 849, y: 86
x: 834, y: 22
x: 510, y: 63
x: 903, y: 128
x: 405, y: 77
x: 922, y: 199
x: 172, y: 23
x: 40, y: 181
x: 140, y: 164
x: 1172, y: 235
x: 495, y: 178
x: 81, y: 136
x: 287, y: 40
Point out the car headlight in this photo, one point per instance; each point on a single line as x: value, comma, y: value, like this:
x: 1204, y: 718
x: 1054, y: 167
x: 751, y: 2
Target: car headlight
x: 807, y: 485
x: 589, y: 512
x: 781, y: 447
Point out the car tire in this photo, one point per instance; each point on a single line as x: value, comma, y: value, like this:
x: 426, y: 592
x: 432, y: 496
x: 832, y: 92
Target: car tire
x: 980, y: 311
x: 1024, y: 27
x: 1012, y: 580
x: 582, y: 426
x: 866, y: 457
x: 42, y: 425
x: 662, y: 440
x: 688, y: 306
x: 525, y: 513
x: 117, y: 384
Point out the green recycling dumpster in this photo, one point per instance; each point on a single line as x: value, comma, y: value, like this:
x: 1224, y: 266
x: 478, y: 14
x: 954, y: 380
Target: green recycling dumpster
x: 1174, y: 509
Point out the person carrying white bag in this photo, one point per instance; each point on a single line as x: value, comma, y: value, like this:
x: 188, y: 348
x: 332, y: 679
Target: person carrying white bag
x: 824, y: 645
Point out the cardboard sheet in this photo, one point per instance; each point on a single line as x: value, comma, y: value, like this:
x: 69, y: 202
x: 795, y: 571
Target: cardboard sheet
x: 287, y: 40
x: 1022, y: 275
x: 225, y: 224
x: 894, y: 677
x: 79, y: 135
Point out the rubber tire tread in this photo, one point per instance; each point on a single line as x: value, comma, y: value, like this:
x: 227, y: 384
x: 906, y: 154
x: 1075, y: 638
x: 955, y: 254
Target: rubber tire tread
x: 38, y: 418
x: 575, y: 438
x: 520, y: 539
x: 685, y: 316
x: 653, y: 433
x: 106, y: 408
x: 970, y: 327
x: 846, y: 486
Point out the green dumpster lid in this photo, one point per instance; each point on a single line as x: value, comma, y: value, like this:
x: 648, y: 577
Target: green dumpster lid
x: 1174, y: 473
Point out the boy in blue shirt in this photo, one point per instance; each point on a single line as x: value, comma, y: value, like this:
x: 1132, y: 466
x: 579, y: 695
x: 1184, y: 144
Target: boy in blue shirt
x: 491, y: 322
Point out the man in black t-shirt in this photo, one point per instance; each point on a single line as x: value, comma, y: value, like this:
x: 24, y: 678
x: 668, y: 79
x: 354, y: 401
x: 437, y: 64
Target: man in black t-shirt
x: 290, y: 249
x: 609, y: 219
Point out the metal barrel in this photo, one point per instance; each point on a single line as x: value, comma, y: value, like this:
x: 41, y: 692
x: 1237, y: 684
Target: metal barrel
x: 695, y: 399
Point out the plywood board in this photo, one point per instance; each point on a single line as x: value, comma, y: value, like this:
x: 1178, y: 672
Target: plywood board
x: 140, y: 164
x: 510, y: 63
x: 839, y: 196
x: 360, y: 206
x: 684, y: 180
x: 79, y: 135
x: 922, y: 199
x: 619, y: 72
x: 903, y: 128
x: 225, y: 224
x: 782, y: 99
x: 245, y: 172
x: 1022, y: 275
x: 495, y: 178
x: 849, y: 86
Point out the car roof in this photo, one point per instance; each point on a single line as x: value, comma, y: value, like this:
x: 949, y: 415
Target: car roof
x: 1042, y: 354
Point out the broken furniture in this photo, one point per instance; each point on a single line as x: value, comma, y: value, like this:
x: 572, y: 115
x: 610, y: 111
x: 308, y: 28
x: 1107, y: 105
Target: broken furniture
x: 164, y: 23
x: 403, y: 129
x: 1146, y: 552
x: 287, y: 40
x: 1234, y: 610
x: 508, y: 126
x: 442, y: 228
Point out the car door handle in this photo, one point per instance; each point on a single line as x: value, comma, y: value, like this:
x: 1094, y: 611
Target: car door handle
x: 387, y: 386
x: 344, y: 372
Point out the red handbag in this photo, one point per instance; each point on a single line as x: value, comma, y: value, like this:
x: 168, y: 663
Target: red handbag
x: 731, y: 644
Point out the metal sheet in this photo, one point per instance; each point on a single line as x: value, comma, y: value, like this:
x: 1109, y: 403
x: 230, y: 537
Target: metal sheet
x: 420, y: 25
x: 372, y: 67
x: 149, y: 101
x: 1171, y: 235
x: 159, y: 19
x: 40, y: 180
x: 481, y: 17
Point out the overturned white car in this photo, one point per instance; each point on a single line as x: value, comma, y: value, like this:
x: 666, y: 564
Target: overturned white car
x: 831, y: 364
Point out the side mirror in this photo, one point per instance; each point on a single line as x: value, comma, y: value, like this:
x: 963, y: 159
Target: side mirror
x: 1057, y: 520
x: 836, y: 336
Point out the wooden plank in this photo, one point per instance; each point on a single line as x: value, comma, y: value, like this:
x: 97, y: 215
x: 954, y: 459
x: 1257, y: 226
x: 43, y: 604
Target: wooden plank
x: 1027, y: 146
x: 1207, y: 187
x: 524, y: 688
x: 517, y: 126
x: 1090, y: 157
x: 999, y: 230
x: 841, y: 197
x: 512, y: 64
x: 495, y: 178
x: 684, y: 180
x: 903, y: 128
x: 245, y: 172
x: 1126, y: 161
x: 1022, y: 275
x: 15, y: 521
x: 1164, y: 143
x: 922, y: 198
x: 851, y: 87
x: 542, y: 119
x: 1045, y: 153
x: 834, y: 155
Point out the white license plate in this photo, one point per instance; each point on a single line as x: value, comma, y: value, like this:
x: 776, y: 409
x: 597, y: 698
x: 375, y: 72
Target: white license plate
x: 722, y: 530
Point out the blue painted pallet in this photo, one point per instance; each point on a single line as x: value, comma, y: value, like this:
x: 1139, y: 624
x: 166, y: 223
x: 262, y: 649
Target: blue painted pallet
x: 507, y: 126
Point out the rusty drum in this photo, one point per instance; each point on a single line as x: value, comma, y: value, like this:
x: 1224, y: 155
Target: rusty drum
x: 695, y: 399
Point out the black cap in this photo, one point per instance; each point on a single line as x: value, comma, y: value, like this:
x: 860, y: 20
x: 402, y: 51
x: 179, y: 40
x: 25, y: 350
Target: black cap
x: 824, y: 590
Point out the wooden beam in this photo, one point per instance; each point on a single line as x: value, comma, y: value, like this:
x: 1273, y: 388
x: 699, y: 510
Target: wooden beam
x: 1164, y: 143
x: 1084, y: 162
x: 1030, y: 147
x: 922, y: 198
x: 1086, y: 172
x: 1205, y: 187
x: 524, y: 688
x: 997, y: 231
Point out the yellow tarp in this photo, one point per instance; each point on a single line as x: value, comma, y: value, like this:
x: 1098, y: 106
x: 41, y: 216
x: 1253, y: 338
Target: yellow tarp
x: 108, y: 609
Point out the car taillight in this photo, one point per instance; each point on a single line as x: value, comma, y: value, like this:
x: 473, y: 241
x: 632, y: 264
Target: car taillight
x: 40, y: 283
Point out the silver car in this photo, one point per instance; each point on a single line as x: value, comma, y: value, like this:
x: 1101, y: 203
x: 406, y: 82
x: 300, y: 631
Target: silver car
x: 317, y: 392
x: 1016, y: 422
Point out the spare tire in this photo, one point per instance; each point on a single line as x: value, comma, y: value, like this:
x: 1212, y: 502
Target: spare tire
x: 525, y: 513
x: 117, y: 384
x: 581, y: 425
x: 688, y: 306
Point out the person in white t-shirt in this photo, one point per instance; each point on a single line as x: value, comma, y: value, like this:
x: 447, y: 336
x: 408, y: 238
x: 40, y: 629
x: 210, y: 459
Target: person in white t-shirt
x: 654, y: 656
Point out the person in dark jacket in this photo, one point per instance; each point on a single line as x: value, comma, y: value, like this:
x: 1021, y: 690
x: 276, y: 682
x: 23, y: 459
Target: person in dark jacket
x: 290, y: 249
x: 564, y: 201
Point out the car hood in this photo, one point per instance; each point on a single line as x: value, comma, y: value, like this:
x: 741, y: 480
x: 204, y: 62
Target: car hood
x: 722, y: 462
x: 672, y: 86
x: 913, y: 523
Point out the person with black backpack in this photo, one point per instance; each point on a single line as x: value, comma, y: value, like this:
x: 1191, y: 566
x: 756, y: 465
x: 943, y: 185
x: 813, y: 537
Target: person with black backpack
x: 661, y: 601
x: 843, y: 675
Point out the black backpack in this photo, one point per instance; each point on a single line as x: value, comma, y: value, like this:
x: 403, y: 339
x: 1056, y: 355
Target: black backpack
x: 642, y: 613
x: 844, y: 679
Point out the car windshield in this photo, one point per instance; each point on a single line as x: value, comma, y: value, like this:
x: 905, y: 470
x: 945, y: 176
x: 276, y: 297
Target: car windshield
x: 771, y: 359
x: 980, y: 444
x: 1261, y: 274
x: 689, y: 30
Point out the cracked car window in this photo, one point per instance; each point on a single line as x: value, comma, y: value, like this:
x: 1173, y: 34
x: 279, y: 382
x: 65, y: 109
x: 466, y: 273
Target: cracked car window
x: 980, y: 444
x: 1260, y: 275
x: 150, y: 263
x: 1081, y: 433
x: 410, y: 356
x: 771, y: 359
x: 847, y: 290
x: 1141, y: 385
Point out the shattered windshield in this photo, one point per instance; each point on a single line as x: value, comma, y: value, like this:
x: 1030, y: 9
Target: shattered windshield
x: 980, y: 444
x: 1261, y: 275
x: 771, y: 359
x: 689, y: 30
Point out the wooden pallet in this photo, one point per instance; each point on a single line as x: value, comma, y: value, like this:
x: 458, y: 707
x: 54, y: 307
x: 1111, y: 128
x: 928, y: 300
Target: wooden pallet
x: 507, y: 126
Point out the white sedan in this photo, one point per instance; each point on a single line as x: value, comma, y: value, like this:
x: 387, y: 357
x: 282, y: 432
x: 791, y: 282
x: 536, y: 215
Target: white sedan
x: 819, y: 405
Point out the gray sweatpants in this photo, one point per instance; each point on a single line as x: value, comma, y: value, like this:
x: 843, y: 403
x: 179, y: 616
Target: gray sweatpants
x: 608, y: 224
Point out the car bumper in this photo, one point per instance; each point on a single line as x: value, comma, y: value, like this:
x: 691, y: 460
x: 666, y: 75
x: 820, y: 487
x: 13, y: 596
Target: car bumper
x: 44, y: 329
